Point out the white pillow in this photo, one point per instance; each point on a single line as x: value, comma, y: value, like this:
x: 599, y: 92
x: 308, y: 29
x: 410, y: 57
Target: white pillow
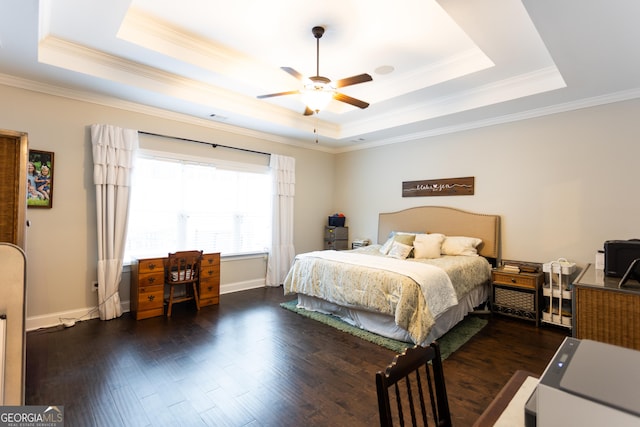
x: 460, y: 245
x: 386, y: 247
x: 427, y: 245
x: 397, y: 236
x: 400, y: 250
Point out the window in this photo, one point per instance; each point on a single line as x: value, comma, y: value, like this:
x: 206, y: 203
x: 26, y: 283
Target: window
x: 182, y: 205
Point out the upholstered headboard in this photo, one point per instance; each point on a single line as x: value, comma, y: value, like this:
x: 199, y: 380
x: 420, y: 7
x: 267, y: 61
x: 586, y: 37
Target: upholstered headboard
x: 448, y: 221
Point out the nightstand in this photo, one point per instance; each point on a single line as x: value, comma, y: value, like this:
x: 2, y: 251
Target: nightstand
x: 516, y: 294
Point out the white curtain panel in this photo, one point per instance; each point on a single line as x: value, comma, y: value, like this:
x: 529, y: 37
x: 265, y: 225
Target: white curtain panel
x: 282, y: 252
x: 114, y: 152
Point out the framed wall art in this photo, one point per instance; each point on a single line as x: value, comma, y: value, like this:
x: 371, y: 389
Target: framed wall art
x: 439, y: 187
x: 40, y: 179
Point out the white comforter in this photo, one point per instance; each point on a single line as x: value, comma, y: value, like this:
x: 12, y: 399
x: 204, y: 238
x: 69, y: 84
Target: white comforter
x: 381, y: 285
x: 435, y: 285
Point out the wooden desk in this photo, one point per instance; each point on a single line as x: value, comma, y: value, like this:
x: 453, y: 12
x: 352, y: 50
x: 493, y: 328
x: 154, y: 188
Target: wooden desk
x: 502, y: 400
x: 147, y: 285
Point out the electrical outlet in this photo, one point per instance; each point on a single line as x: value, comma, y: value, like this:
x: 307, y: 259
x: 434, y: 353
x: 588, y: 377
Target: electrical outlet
x: 94, y: 286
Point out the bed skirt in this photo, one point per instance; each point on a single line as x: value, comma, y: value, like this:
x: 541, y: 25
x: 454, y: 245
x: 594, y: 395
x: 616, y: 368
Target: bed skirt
x: 385, y: 325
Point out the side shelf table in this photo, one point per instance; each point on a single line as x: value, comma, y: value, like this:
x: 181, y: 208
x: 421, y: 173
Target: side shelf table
x: 516, y: 294
x: 605, y: 312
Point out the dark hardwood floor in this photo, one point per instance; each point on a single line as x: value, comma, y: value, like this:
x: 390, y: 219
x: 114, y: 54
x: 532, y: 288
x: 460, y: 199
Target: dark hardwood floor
x: 248, y: 362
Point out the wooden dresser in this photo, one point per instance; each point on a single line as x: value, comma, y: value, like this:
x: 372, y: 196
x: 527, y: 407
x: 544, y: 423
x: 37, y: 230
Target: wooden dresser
x: 147, y: 285
x: 603, y: 312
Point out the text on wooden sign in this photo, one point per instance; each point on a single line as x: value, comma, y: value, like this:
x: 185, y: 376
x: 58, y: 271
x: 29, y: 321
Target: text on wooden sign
x: 439, y: 187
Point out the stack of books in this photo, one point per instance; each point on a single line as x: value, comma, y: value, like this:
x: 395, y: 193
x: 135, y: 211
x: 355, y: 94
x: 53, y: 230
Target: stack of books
x: 511, y: 268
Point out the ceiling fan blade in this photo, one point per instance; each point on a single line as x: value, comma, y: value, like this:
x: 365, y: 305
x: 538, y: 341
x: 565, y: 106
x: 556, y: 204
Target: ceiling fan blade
x: 271, y: 95
x: 308, y: 111
x: 293, y: 72
x: 349, y: 100
x: 354, y: 80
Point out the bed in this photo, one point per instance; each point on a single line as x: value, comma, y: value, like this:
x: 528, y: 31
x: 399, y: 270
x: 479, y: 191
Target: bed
x: 403, y: 287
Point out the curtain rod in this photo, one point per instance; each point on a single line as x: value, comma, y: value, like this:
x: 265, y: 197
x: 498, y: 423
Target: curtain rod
x: 212, y: 144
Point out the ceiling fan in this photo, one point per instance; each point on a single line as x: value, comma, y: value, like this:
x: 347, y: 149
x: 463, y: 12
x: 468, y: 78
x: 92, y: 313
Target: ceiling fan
x: 319, y: 90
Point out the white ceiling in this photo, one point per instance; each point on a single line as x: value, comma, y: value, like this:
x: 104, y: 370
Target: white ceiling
x: 455, y: 64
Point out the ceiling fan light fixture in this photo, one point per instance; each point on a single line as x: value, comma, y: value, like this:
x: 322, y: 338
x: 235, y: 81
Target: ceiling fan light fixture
x: 316, y: 95
x: 319, y: 91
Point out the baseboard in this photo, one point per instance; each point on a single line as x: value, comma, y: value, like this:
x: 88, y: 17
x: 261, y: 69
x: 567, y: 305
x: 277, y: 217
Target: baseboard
x: 57, y: 319
x: 87, y: 313
x: 242, y: 286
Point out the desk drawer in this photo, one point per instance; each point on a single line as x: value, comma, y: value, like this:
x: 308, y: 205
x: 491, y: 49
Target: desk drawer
x: 210, y: 272
x: 150, y: 297
x: 151, y: 279
x: 210, y: 260
x: 518, y: 280
x: 151, y: 265
x: 209, y: 301
x: 210, y: 290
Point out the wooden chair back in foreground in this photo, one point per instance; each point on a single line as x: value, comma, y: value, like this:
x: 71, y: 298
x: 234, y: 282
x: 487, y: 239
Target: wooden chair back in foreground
x: 182, y: 270
x: 413, y: 377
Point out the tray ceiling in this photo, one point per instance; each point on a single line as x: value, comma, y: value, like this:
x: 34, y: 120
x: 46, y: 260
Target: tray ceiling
x: 437, y: 66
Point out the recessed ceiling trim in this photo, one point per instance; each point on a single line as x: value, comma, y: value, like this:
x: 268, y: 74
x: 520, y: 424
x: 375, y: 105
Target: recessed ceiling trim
x: 401, y: 83
x: 505, y: 90
x: 67, y: 55
x: 149, y: 32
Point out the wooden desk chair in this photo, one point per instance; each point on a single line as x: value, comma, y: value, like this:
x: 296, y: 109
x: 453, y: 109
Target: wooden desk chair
x: 407, y: 380
x: 183, y: 270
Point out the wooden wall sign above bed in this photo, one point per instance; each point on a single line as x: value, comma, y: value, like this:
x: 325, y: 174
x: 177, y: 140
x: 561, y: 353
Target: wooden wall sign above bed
x: 439, y: 187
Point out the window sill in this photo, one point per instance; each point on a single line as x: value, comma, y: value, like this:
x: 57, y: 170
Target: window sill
x: 126, y: 267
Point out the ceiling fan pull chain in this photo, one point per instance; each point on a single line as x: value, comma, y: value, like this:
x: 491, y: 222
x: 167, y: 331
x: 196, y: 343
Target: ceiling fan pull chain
x: 315, y: 129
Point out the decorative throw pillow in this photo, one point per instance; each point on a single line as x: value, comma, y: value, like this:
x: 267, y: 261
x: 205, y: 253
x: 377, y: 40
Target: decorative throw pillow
x: 404, y: 238
x: 397, y: 236
x: 400, y: 250
x: 460, y: 245
x: 427, y: 246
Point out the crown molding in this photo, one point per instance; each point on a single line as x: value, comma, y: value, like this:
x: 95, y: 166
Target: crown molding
x: 507, y: 118
x: 107, y: 101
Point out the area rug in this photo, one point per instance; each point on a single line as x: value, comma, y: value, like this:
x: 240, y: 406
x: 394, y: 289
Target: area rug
x: 449, y: 342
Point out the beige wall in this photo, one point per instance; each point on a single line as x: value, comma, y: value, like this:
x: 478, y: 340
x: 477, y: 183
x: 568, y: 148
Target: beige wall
x: 61, y: 242
x: 563, y: 183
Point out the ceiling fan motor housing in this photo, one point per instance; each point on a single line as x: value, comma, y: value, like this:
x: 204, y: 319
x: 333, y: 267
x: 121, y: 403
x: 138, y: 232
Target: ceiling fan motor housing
x: 317, y: 32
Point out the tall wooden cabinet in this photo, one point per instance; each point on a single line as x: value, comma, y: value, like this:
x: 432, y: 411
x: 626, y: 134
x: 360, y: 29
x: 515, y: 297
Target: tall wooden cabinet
x: 13, y: 206
x: 14, y: 154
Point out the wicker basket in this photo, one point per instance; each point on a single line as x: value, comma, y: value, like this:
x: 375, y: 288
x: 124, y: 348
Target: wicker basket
x: 515, y: 299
